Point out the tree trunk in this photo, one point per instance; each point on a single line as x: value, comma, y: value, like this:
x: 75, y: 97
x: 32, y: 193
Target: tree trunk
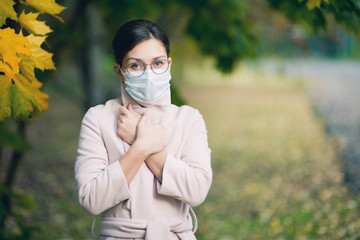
x: 5, y: 199
x: 90, y: 59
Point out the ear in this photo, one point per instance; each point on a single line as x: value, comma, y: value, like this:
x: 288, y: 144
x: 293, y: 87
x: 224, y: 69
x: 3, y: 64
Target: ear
x: 170, y: 61
x: 118, y: 72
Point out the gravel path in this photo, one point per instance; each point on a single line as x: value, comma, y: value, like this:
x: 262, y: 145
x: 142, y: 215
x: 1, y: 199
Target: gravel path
x: 334, y: 89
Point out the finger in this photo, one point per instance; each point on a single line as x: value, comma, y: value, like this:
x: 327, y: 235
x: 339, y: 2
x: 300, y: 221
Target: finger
x: 121, y: 119
x: 124, y: 110
x: 131, y: 110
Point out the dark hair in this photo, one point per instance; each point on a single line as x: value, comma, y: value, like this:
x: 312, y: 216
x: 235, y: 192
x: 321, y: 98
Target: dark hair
x: 134, y: 32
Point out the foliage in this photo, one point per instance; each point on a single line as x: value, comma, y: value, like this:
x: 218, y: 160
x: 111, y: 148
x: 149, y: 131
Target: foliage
x: 20, y: 54
x: 11, y: 140
x: 314, y: 12
x: 222, y: 29
x: 228, y: 38
x: 22, y: 36
x: 24, y: 203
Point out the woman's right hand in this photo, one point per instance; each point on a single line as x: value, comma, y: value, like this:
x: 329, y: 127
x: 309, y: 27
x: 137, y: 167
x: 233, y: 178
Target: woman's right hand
x: 150, y: 138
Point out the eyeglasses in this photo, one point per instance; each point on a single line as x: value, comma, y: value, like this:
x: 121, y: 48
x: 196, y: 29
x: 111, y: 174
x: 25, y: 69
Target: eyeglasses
x: 137, y: 69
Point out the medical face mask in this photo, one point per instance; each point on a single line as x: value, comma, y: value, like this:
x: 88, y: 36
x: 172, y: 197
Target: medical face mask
x: 149, y: 87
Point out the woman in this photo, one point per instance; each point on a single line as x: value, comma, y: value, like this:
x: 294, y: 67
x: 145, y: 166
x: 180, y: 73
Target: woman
x: 141, y: 161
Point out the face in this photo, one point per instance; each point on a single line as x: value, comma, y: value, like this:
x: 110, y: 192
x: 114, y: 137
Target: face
x: 146, y: 52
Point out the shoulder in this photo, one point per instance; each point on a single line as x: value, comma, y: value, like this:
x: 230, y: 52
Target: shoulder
x: 103, y: 110
x: 189, y: 112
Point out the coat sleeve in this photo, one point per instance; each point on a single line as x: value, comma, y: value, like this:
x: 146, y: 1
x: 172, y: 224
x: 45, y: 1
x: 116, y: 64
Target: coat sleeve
x: 100, y: 185
x: 188, y: 179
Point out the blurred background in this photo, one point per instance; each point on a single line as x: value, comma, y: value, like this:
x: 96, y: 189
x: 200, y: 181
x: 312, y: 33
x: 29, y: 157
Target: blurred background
x: 277, y: 82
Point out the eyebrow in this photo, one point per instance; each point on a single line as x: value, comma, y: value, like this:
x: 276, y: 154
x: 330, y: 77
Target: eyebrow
x: 140, y: 60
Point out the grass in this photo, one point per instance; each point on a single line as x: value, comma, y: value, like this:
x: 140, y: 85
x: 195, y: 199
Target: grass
x: 276, y: 174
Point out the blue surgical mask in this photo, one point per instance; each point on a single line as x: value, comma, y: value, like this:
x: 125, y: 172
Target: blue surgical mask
x: 149, y: 87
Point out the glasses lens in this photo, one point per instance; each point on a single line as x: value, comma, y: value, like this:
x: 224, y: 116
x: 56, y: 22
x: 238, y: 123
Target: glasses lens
x: 135, y: 69
x: 160, y: 66
x: 136, y: 73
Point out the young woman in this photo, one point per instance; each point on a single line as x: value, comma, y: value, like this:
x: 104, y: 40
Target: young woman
x: 143, y: 162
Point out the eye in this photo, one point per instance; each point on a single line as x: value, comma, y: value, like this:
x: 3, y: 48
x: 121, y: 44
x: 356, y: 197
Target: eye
x: 135, y: 67
x: 159, y: 63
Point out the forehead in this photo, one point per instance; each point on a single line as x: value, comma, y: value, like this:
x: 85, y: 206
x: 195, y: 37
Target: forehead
x: 147, y: 50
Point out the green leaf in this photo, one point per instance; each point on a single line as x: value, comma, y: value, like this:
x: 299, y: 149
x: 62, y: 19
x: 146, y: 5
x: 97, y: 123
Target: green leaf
x: 12, y: 140
x: 7, y: 11
x: 311, y: 4
x: 24, y: 201
x: 5, y: 97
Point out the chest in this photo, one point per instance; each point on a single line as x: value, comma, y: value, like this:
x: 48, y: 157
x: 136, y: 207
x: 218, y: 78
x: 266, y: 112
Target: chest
x: 176, y: 127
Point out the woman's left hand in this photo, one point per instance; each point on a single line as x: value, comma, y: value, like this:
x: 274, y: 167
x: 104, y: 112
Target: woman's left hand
x: 126, y: 124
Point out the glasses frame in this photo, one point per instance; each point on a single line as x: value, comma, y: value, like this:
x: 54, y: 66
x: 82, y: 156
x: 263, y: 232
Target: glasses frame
x: 144, y: 66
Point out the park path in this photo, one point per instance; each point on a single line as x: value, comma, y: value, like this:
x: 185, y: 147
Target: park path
x: 334, y: 90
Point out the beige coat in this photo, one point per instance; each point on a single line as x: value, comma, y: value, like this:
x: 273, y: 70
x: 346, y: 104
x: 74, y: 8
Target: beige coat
x: 146, y: 209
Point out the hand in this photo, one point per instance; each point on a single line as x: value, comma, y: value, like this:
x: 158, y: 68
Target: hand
x: 127, y: 122
x: 150, y: 138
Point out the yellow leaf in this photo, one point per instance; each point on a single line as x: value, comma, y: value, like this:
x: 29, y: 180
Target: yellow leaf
x: 29, y: 22
x: 11, y: 46
x: 27, y: 98
x: 311, y: 4
x: 20, y: 95
x: 27, y: 66
x: 36, y: 40
x: 5, y: 97
x: 41, y: 58
x: 7, y: 11
x: 31, y: 92
x: 46, y: 6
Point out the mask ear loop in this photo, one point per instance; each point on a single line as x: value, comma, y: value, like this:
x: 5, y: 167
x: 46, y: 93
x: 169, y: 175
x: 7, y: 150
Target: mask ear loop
x: 120, y: 69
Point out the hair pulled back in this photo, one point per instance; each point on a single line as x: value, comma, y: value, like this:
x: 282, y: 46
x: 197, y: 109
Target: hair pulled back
x: 134, y: 32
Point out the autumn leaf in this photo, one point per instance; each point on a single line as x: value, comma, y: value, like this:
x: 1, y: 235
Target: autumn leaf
x: 5, y: 97
x: 46, y: 6
x: 20, y: 91
x: 7, y: 11
x: 29, y: 22
x: 20, y: 98
x: 20, y: 95
x: 36, y: 40
x: 27, y: 98
x: 11, y: 46
x: 27, y: 68
x: 311, y: 4
x: 41, y: 58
